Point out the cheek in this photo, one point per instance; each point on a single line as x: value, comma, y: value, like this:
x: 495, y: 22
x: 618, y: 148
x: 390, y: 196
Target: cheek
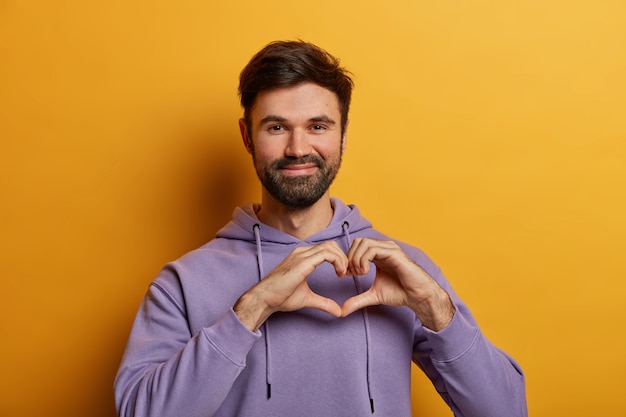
x: 268, y: 150
x: 265, y: 157
x: 329, y: 151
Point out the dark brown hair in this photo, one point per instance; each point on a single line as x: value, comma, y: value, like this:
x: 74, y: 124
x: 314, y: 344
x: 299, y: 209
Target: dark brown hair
x: 288, y: 63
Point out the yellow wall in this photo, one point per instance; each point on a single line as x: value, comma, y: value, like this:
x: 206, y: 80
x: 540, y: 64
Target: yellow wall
x: 490, y: 133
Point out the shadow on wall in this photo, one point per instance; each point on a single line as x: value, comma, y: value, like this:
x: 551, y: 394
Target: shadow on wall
x: 188, y: 195
x: 220, y: 179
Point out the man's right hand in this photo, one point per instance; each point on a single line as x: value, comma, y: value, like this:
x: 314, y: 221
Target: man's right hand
x: 286, y: 287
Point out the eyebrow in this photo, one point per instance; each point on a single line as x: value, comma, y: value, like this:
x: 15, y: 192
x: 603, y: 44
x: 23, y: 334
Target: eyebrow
x: 274, y: 118
x: 323, y: 118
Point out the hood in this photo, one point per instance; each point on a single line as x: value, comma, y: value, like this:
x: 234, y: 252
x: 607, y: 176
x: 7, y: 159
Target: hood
x: 244, y: 219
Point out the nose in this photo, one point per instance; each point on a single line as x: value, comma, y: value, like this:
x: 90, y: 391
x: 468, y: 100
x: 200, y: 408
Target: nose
x: 298, y: 145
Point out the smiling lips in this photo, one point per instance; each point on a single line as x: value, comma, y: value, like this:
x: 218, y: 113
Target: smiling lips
x: 299, y: 169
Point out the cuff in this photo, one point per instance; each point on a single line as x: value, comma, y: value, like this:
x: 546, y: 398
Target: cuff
x: 231, y: 338
x: 454, y: 340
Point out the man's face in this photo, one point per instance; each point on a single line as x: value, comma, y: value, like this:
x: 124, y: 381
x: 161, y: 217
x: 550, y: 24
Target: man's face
x: 295, y: 140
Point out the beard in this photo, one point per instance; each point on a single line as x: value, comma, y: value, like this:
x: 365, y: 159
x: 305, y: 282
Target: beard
x: 301, y: 191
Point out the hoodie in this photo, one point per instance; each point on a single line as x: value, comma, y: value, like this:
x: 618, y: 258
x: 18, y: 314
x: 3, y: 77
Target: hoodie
x: 189, y: 355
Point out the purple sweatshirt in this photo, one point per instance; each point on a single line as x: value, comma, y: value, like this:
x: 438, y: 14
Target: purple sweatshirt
x: 189, y: 355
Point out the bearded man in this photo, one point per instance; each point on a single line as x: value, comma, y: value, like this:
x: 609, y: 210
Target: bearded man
x: 299, y: 307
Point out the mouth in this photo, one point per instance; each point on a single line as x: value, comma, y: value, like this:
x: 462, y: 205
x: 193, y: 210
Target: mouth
x: 299, y: 169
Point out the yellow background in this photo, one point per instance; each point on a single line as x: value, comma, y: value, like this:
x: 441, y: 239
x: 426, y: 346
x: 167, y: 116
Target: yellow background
x: 490, y: 133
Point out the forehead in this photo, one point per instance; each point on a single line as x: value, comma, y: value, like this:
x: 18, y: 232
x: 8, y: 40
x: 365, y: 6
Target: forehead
x: 299, y: 102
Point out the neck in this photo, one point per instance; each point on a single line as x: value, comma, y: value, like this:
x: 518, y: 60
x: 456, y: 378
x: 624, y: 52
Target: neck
x: 300, y: 223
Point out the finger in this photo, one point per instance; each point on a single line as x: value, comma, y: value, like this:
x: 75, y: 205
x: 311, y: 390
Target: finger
x: 385, y: 254
x: 332, y: 253
x: 324, y: 304
x: 360, y: 256
x: 357, y: 302
x: 306, y: 259
x: 354, y: 247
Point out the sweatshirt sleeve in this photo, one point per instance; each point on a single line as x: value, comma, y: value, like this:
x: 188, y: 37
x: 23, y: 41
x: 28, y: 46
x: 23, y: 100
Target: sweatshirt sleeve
x: 164, y: 368
x: 474, y: 377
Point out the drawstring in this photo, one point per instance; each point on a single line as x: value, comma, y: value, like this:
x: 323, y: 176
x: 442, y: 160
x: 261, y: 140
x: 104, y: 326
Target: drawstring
x: 268, y: 368
x: 345, y: 226
x: 266, y: 333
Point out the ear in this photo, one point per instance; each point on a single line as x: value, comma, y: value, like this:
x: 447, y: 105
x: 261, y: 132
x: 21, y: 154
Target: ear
x: 247, y: 140
x: 344, y: 137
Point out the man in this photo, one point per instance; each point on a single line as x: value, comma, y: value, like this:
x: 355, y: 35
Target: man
x: 299, y: 307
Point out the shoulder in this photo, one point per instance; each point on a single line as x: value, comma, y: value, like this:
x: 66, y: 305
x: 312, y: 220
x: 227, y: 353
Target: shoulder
x: 205, y: 282
x: 210, y: 262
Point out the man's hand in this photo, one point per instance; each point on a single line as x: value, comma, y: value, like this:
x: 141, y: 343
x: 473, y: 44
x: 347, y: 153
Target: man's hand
x: 286, y: 288
x: 399, y: 282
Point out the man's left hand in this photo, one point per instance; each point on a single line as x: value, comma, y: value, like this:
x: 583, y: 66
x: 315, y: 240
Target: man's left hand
x: 399, y: 282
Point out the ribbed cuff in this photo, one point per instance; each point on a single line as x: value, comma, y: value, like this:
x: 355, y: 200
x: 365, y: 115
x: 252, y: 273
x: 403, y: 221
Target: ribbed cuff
x: 229, y: 336
x: 454, y: 340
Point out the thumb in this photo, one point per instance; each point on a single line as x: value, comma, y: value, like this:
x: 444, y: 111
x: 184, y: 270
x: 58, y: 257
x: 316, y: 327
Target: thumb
x: 357, y: 302
x: 324, y: 304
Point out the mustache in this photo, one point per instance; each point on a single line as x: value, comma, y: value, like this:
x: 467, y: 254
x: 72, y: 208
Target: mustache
x: 309, y: 159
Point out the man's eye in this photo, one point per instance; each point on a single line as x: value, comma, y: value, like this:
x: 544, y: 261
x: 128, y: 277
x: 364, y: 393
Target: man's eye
x: 276, y: 128
x: 318, y: 127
